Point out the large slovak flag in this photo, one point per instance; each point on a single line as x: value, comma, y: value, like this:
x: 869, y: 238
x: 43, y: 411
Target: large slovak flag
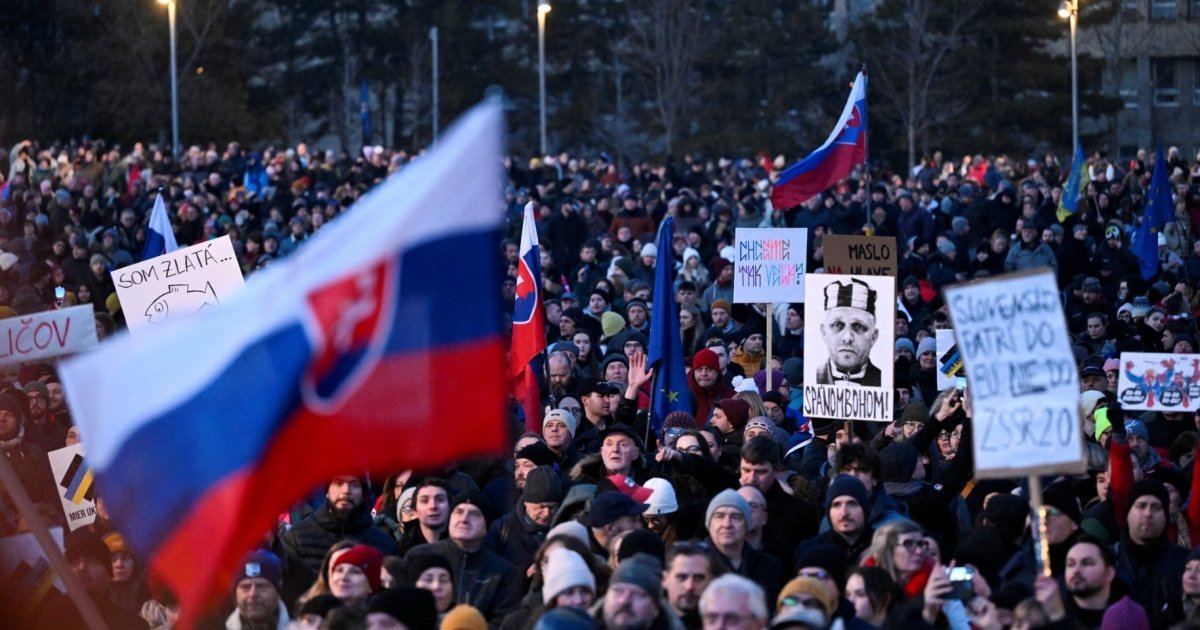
x: 529, y: 324
x: 160, y: 238
x: 845, y: 148
x: 348, y: 356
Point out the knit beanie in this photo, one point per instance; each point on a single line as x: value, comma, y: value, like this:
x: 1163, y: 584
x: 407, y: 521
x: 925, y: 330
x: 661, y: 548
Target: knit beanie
x: 538, y: 452
x: 793, y: 369
x: 928, y: 344
x: 366, y: 558
x: 542, y: 485
x: 1139, y: 428
x: 564, y: 416
x: 679, y: 420
x: 828, y: 557
x: 727, y: 498
x: 38, y: 387
x: 565, y: 618
x: 905, y: 343
x: 914, y: 411
x: 721, y: 304
x: 663, y: 500
x: 474, y: 497
x: 810, y: 587
x: 1102, y: 422
x: 760, y: 380
x: 564, y: 569
x: 611, y: 324
x: 760, y: 422
x: 849, y: 485
x: 11, y: 404
x: 643, y: 571
x: 899, y: 461
x: 411, y: 606
x: 1008, y: 513
x: 1060, y: 497
x: 464, y: 617
x: 259, y: 563
x: 419, y: 563
x: 1152, y: 487
x: 706, y: 358
x: 574, y: 529
x: 736, y: 410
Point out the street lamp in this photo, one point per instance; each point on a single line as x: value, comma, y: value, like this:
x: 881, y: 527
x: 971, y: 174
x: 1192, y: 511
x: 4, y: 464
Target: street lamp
x: 1069, y: 10
x: 543, y: 9
x: 174, y: 81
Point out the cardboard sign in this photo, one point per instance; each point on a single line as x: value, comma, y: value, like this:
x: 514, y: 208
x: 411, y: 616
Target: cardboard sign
x: 47, y: 334
x: 73, y: 479
x: 1159, y: 382
x: 849, y: 336
x: 1023, y: 384
x: 949, y: 360
x: 769, y: 265
x: 24, y: 571
x: 172, y: 286
x: 859, y: 255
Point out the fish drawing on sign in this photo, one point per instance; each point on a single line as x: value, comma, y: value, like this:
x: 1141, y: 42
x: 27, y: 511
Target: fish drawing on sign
x: 180, y: 300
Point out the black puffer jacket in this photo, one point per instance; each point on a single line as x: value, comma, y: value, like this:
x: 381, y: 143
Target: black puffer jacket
x: 311, y: 538
x: 481, y: 579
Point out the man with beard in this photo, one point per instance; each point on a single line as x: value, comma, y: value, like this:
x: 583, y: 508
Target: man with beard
x: 633, y: 600
x: 690, y: 568
x: 343, y: 515
x: 1090, y: 580
x: 1150, y: 562
x: 256, y: 594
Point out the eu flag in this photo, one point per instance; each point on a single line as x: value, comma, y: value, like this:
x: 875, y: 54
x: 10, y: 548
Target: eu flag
x: 665, y: 355
x: 1160, y: 210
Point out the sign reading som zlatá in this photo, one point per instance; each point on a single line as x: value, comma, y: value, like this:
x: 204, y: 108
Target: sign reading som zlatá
x: 769, y: 265
x: 47, y: 334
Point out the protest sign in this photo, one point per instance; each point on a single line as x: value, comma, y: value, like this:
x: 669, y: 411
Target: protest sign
x: 769, y: 265
x: 47, y: 334
x: 848, y: 340
x: 73, y: 479
x: 23, y: 567
x: 859, y: 255
x: 1159, y: 382
x: 949, y: 359
x: 177, y: 284
x: 1023, y: 385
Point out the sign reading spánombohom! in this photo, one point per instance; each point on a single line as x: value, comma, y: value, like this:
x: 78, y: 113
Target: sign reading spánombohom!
x: 177, y: 284
x: 1022, y: 382
x: 769, y: 265
x: 1159, y: 382
x: 849, y: 334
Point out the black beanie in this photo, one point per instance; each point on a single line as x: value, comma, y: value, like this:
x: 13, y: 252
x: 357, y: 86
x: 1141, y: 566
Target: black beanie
x: 419, y: 563
x: 538, y: 453
x: 413, y: 607
x: 542, y: 485
x: 642, y: 541
x: 474, y: 497
x: 827, y: 557
x: 1152, y: 487
x: 1008, y: 514
x: 849, y: 485
x: 899, y: 461
x: 1061, y: 497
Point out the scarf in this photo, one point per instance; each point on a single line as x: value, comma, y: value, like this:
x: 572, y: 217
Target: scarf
x: 9, y: 446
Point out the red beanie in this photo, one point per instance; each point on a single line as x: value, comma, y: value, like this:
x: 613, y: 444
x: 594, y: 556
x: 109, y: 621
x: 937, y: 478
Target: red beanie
x: 706, y: 358
x: 737, y: 411
x: 366, y: 558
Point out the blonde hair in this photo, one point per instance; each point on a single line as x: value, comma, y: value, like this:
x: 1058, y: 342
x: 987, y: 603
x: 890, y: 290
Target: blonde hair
x: 885, y: 541
x: 321, y: 586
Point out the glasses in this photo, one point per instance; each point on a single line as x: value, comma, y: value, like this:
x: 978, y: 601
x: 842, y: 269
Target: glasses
x: 805, y: 602
x: 572, y: 410
x: 758, y: 506
x: 913, y: 544
x: 723, y: 619
x: 694, y: 450
x: 816, y: 574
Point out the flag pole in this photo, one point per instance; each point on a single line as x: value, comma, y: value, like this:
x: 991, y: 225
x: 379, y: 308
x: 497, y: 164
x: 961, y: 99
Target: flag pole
x: 770, y: 327
x: 41, y: 533
x: 870, y: 231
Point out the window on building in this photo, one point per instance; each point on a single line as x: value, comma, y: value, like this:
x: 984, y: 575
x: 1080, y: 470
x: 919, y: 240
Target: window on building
x: 1129, y: 6
x: 1129, y: 83
x: 1163, y: 9
x: 1166, y: 84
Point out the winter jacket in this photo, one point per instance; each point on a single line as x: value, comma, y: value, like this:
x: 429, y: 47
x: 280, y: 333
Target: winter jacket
x: 515, y: 537
x: 481, y: 579
x: 311, y: 538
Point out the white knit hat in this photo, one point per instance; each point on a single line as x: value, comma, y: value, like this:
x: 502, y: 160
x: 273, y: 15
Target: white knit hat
x: 663, y: 500
x: 570, y: 528
x: 564, y: 569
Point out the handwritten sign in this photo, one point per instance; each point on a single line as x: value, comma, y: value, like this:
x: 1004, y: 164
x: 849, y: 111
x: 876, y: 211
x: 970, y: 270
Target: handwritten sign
x: 172, y: 286
x: 949, y: 359
x: 1159, y: 382
x: 859, y: 255
x: 849, y: 335
x: 1024, y: 387
x: 47, y: 334
x: 73, y: 478
x: 24, y: 570
x: 769, y: 265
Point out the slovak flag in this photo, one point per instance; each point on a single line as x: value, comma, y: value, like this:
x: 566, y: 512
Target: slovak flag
x: 160, y: 238
x: 348, y: 356
x: 845, y: 148
x: 529, y: 324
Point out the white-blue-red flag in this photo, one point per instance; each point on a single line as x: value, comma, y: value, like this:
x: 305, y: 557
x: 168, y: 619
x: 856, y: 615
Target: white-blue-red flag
x: 529, y: 324
x: 353, y: 354
x: 845, y: 148
x: 160, y: 237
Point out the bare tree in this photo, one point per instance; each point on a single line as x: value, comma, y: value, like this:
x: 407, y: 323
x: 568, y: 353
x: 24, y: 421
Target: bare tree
x: 664, y: 46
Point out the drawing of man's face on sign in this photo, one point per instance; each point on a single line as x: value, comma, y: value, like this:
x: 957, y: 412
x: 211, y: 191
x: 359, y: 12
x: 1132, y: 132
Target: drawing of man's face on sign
x: 849, y: 328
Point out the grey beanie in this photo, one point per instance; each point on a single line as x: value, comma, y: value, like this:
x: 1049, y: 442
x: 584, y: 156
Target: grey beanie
x: 728, y: 498
x: 643, y: 571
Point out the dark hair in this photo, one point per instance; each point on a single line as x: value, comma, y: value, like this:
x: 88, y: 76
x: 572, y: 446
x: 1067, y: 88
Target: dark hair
x: 436, y: 482
x: 882, y: 590
x: 860, y: 454
x: 762, y: 449
x: 1107, y: 555
x: 693, y: 549
x: 706, y: 453
x: 686, y: 285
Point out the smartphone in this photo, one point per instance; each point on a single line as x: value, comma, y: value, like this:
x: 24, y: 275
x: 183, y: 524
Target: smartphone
x: 962, y: 579
x: 960, y: 383
x: 59, y: 295
x: 672, y: 435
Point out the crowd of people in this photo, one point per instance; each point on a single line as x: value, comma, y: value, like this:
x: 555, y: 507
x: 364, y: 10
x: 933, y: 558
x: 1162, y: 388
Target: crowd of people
x: 740, y: 513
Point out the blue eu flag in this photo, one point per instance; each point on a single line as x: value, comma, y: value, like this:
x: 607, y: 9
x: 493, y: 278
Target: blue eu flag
x: 1160, y: 210
x: 665, y: 354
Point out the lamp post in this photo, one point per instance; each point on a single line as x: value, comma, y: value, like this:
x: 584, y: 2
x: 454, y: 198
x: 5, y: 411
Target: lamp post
x: 1069, y: 10
x: 174, y: 81
x: 543, y: 9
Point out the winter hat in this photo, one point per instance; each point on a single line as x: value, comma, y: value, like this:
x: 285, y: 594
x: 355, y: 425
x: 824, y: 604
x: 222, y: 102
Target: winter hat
x: 419, y: 563
x: 793, y: 369
x: 565, y: 569
x: 82, y: 543
x: 642, y: 541
x: 737, y: 411
x: 717, y: 265
x: 928, y: 344
x: 760, y: 380
x: 542, y: 485
x: 574, y: 529
x: 727, y: 498
x: 411, y: 606
x: 115, y: 542
x: 611, y: 323
x: 760, y: 422
x: 1103, y: 424
x: 1060, y: 497
x: 1136, y: 426
x: 849, y: 485
x: 366, y: 558
x: 1152, y: 487
x: 565, y: 618
x: 1007, y: 512
x: 565, y: 346
x: 905, y: 343
x: 259, y: 563
x: 610, y: 506
x: 1126, y: 614
x: 320, y: 606
x: 915, y: 411
x: 946, y: 246
x: 650, y: 249
x: 721, y: 304
x: 910, y: 281
x: 679, y: 420
x: 1088, y: 401
x: 706, y: 358
x: 464, y: 617
x: 662, y: 499
x: 826, y: 556
x: 899, y: 461
x: 38, y: 387
x: 643, y: 571
x: 557, y: 414
x: 691, y: 253
x: 811, y: 587
x: 11, y: 404
x: 538, y: 452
